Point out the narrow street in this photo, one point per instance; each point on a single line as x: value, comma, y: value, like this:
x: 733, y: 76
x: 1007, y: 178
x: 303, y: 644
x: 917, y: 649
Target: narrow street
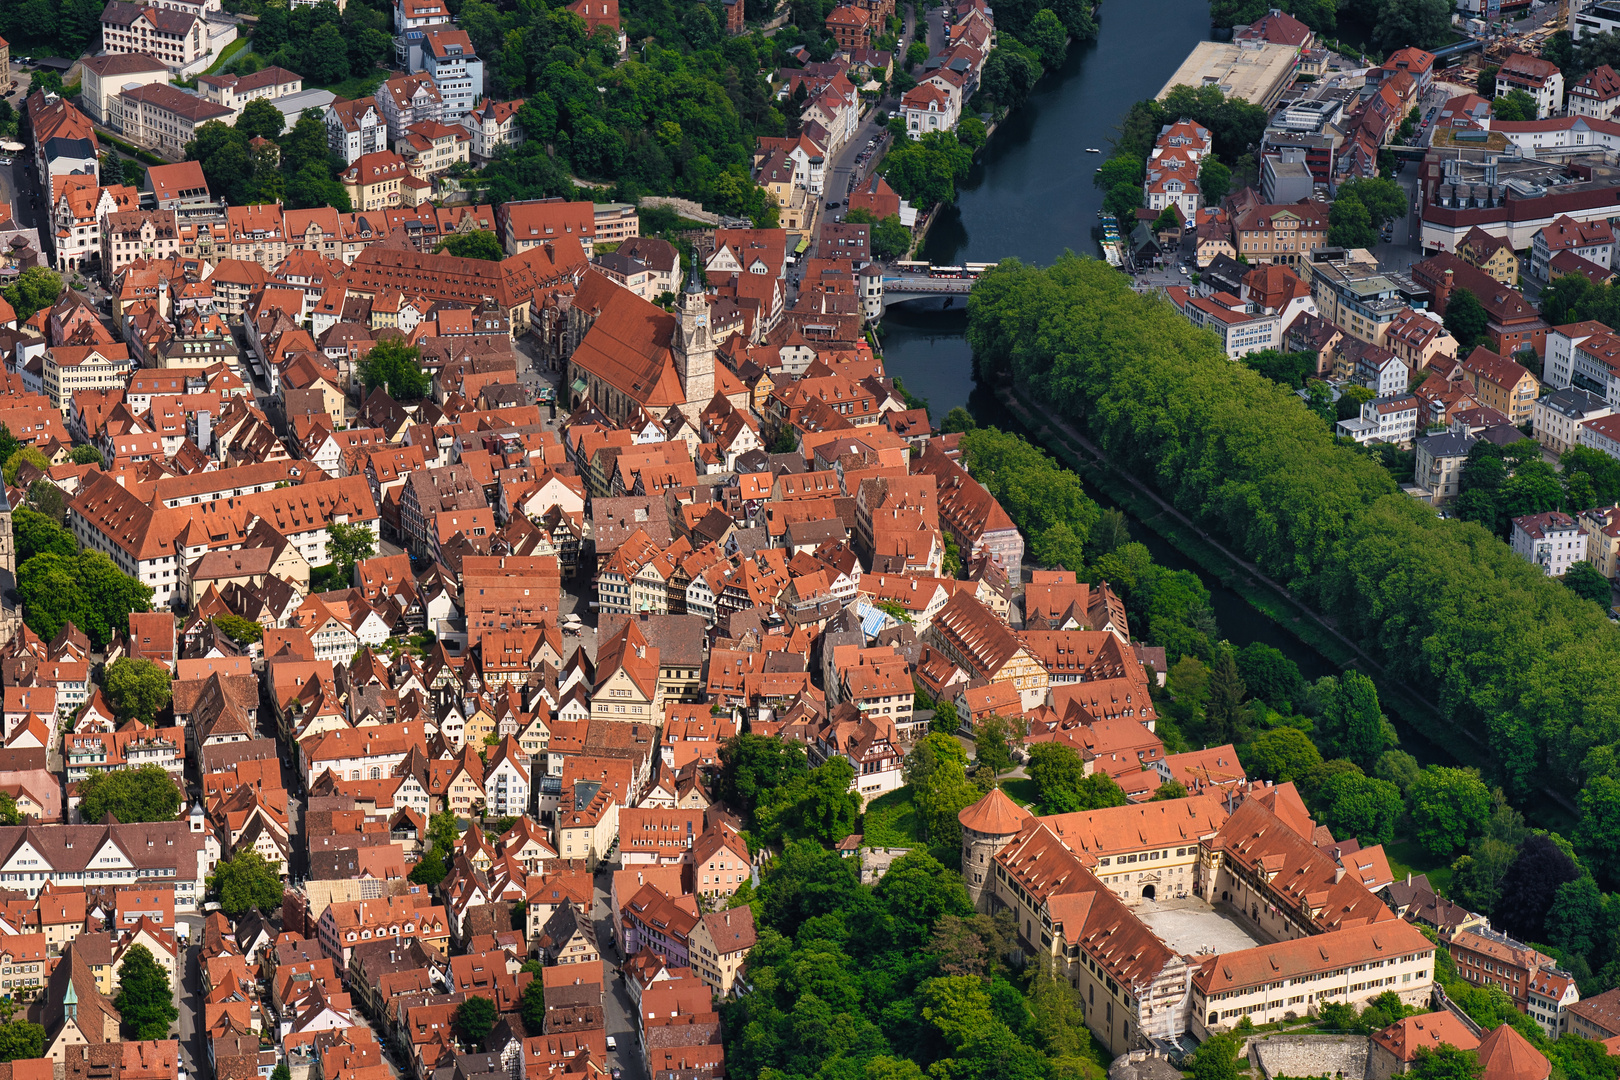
x: 843, y: 171
x: 618, y: 1011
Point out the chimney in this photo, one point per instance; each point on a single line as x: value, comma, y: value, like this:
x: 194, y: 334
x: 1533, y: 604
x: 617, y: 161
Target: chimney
x: 1443, y: 292
x: 1338, y: 874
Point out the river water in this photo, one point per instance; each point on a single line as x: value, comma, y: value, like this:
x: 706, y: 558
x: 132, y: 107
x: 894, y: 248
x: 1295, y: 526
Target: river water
x: 1030, y: 195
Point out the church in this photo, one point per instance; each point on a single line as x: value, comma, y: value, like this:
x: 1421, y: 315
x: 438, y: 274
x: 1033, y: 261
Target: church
x: 637, y: 359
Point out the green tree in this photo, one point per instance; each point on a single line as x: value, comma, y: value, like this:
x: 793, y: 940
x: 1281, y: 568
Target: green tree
x: 281, y: 1072
x: 1398, y: 767
x: 1058, y: 773
x: 818, y: 805
x: 36, y: 534
x: 1216, y: 1059
x: 1597, y: 836
x: 1047, y: 36
x: 1224, y: 714
x: 85, y: 455
x: 1170, y: 789
x: 958, y: 419
x: 1360, y: 806
x: 936, y: 769
x: 9, y: 814
x: 429, y: 869
x: 48, y: 499
x: 35, y: 288
x: 326, y: 60
x: 1445, y: 1062
x: 225, y: 157
x: 1350, y: 223
x: 86, y: 589
x: 240, y: 630
x: 990, y: 746
x: 21, y: 1040
x: 1466, y: 319
x: 244, y: 882
x: 1576, y: 922
x: 260, y: 119
x: 474, y: 1019
x: 398, y: 368
x: 349, y: 544
x: 532, y: 1004
x: 473, y: 245
x: 1448, y: 807
x: 1514, y: 105
x: 1420, y: 23
x: 1351, y: 722
x: 136, y: 688
x: 130, y: 795
x: 30, y: 455
x: 1214, y: 181
x: 1169, y: 218
x: 916, y: 53
x: 1281, y: 755
x: 145, y: 999
x: 1585, y: 580
x: 752, y: 766
x: 1270, y: 676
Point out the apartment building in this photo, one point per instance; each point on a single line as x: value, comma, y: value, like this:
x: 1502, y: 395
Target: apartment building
x: 356, y: 128
x: 1553, y: 541
x: 493, y: 124
x: 169, y: 34
x: 408, y: 99
x: 104, y: 76
x: 1280, y: 234
x: 455, y: 68
x: 1532, y: 979
x: 71, y: 368
x: 381, y: 180
x: 235, y: 91
x: 164, y: 118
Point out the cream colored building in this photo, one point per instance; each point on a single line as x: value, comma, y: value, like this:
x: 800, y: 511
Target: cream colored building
x: 71, y: 368
x: 1272, y: 982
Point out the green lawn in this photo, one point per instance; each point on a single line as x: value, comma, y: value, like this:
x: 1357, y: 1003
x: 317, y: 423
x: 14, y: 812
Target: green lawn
x: 1408, y: 857
x: 358, y: 86
x: 1023, y: 792
x: 225, y: 55
x: 891, y: 820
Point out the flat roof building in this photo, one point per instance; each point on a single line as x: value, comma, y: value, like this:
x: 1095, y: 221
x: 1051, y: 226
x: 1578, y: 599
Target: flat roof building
x: 1255, y: 71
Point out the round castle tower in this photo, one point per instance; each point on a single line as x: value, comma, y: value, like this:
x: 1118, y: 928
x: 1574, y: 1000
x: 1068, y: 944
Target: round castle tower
x: 987, y: 826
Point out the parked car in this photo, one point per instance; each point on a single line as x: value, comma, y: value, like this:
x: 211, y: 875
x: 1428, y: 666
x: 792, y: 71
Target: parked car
x: 612, y: 1043
x: 835, y: 204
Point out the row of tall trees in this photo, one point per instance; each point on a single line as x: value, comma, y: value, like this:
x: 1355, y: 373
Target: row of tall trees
x: 1525, y: 671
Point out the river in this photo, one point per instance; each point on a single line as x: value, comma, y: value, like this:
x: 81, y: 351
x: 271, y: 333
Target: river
x: 1030, y: 192
x: 1030, y: 195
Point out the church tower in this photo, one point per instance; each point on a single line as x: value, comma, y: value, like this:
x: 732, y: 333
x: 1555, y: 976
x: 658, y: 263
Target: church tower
x: 694, y: 347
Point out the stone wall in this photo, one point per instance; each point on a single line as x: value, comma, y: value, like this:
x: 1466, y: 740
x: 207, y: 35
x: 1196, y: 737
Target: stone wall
x: 685, y: 207
x: 1335, y: 1056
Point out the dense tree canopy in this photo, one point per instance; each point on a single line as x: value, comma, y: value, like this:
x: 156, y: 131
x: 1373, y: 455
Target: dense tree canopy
x: 145, y: 999
x: 398, y: 368
x: 245, y: 882
x: 85, y: 588
x: 137, y: 688
x: 147, y: 793
x: 1247, y: 460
